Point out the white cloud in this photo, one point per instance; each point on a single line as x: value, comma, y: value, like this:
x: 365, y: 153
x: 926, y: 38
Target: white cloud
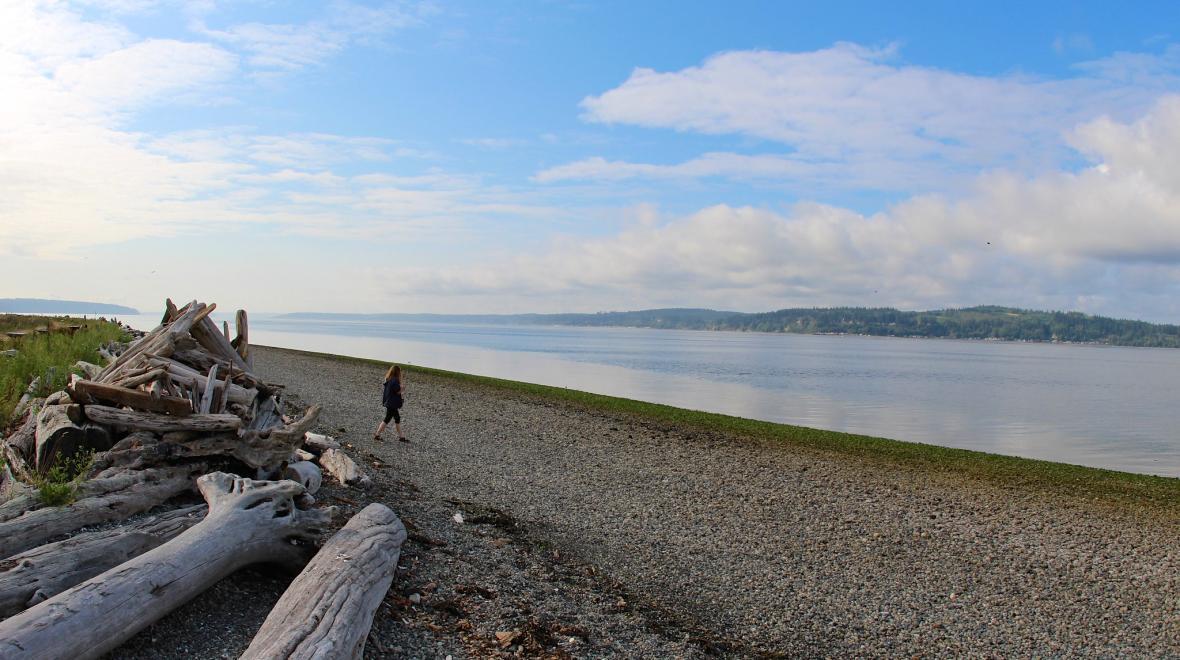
x: 74, y: 174
x: 856, y: 107
x: 289, y: 47
x: 1088, y: 239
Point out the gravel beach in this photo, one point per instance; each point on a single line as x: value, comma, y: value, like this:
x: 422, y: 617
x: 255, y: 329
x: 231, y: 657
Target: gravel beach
x: 591, y: 534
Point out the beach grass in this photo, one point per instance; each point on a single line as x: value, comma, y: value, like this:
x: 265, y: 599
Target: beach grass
x: 49, y: 356
x: 1006, y: 471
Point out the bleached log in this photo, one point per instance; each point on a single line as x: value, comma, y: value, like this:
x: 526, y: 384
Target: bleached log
x: 248, y: 522
x: 340, y: 466
x: 207, y: 335
x: 318, y: 442
x: 306, y: 474
x: 328, y: 609
x: 145, y: 421
x: 170, y: 311
x: 242, y: 342
x: 92, y: 371
x: 99, y: 500
x: 59, y: 435
x: 26, y: 399
x: 184, y: 374
x: 142, y: 379
x: 45, y: 571
x: 20, y: 449
x: 160, y: 341
x: 210, y: 390
x: 87, y: 392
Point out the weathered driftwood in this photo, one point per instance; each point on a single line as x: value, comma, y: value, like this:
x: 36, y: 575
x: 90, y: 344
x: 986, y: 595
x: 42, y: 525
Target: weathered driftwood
x: 45, y: 571
x: 145, y: 421
x: 328, y: 609
x: 27, y: 398
x: 207, y: 335
x: 344, y: 469
x: 20, y: 449
x: 306, y: 474
x: 92, y: 371
x: 184, y: 374
x: 60, y: 435
x: 248, y: 522
x: 99, y: 500
x: 242, y: 342
x: 318, y: 442
x: 210, y: 390
x: 85, y: 391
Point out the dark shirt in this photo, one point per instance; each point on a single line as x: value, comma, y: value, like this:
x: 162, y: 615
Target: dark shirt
x: 391, y: 396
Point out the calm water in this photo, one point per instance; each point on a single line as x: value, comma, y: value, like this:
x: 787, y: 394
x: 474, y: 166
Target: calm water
x: 1100, y: 406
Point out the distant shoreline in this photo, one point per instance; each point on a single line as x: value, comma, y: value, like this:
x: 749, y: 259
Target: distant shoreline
x: 986, y: 323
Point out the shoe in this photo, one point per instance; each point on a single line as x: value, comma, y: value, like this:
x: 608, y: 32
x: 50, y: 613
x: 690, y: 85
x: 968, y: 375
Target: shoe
x: 377, y: 437
x: 404, y: 439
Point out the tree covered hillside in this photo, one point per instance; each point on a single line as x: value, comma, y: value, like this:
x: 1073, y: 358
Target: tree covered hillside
x: 986, y: 322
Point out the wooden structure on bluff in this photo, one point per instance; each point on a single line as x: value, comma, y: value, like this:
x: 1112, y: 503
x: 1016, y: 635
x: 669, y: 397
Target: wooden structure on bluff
x: 181, y: 409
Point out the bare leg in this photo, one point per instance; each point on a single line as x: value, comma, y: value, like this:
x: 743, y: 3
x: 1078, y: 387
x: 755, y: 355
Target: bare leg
x: 400, y: 435
x: 380, y: 428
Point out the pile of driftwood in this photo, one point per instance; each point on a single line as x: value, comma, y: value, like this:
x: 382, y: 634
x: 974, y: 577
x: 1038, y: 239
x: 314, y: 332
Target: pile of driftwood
x: 180, y: 410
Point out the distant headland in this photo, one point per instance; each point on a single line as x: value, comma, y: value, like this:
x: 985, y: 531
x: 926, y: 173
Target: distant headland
x: 44, y: 306
x: 983, y: 322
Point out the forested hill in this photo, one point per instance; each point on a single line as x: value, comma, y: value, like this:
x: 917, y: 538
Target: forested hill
x: 43, y: 306
x: 970, y: 323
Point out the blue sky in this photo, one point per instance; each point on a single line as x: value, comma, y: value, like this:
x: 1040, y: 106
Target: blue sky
x: 554, y: 156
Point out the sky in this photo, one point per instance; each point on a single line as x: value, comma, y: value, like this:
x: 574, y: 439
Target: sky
x: 545, y: 156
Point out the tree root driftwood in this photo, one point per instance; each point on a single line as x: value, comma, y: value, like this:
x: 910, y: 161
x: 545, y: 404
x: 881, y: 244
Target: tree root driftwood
x: 248, y: 522
x: 328, y: 610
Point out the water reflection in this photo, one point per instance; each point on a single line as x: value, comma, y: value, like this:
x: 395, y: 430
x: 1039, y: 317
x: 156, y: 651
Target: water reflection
x: 1099, y: 406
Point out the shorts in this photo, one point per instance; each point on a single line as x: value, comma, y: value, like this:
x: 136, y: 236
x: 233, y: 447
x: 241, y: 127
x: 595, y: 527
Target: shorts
x: 394, y: 414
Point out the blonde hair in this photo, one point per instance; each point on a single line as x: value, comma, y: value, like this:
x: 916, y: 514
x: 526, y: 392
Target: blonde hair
x: 394, y: 372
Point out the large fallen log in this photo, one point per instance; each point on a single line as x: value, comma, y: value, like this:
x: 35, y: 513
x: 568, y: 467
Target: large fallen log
x: 144, y: 421
x: 45, y: 571
x: 99, y: 500
x: 340, y: 466
x: 88, y: 392
x: 248, y: 522
x: 328, y: 609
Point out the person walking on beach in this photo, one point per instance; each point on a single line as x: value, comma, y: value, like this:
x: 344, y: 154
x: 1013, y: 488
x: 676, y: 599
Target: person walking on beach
x: 391, y: 398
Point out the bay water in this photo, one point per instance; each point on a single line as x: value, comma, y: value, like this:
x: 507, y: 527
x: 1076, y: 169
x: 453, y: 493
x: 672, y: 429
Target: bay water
x: 1101, y: 406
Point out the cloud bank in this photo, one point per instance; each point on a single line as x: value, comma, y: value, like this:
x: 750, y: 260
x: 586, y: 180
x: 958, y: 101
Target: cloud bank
x: 1075, y: 240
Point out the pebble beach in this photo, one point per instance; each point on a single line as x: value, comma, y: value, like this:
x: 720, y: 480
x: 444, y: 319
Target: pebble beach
x: 542, y: 529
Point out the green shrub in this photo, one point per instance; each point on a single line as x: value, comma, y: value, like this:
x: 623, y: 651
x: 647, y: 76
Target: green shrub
x: 51, y: 357
x: 60, y: 485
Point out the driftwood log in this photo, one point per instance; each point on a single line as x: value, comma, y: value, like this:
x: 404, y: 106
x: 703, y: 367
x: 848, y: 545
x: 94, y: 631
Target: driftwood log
x: 328, y: 610
x: 146, y: 421
x: 340, y: 466
x: 318, y: 442
x: 306, y: 474
x: 62, y: 432
x: 248, y: 522
x: 99, y: 500
x: 45, y: 571
x: 85, y: 391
